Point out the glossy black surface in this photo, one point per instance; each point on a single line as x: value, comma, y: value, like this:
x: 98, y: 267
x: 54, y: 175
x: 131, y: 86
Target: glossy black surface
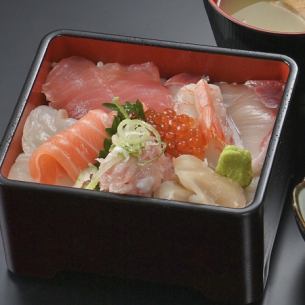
x: 22, y: 26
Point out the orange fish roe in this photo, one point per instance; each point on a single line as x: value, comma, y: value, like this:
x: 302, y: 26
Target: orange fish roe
x: 179, y: 132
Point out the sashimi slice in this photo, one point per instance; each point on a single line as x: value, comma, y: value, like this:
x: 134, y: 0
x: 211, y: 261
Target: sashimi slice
x: 213, y: 120
x: 203, y: 102
x: 75, y: 85
x: 212, y: 113
x: 144, y: 71
x: 253, y: 119
x: 42, y: 123
x: 177, y: 81
x: 184, y: 101
x: 78, y: 85
x: 20, y: 169
x: 130, y: 177
x: 270, y: 91
x: 137, y: 82
x: 206, y: 185
x: 69, y: 152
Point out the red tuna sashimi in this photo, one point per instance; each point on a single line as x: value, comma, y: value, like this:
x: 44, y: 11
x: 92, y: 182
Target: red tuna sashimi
x: 68, y: 152
x: 78, y: 85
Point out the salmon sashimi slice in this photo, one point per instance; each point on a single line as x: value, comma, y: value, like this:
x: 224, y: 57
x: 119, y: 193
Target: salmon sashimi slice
x: 78, y: 85
x: 70, y: 151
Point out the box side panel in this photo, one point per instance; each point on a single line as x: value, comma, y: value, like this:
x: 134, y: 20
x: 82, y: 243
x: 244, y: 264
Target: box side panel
x: 47, y: 232
x: 281, y: 180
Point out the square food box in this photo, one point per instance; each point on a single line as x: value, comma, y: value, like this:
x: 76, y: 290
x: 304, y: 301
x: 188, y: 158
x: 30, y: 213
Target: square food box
x: 222, y: 252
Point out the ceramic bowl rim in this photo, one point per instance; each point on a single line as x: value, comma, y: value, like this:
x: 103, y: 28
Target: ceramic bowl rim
x: 296, y: 203
x: 250, y: 27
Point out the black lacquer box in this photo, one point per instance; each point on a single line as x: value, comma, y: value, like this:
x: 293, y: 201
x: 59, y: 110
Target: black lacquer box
x: 222, y: 252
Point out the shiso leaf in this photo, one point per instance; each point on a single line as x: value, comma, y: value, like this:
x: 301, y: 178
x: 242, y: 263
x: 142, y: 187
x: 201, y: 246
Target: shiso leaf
x: 128, y: 110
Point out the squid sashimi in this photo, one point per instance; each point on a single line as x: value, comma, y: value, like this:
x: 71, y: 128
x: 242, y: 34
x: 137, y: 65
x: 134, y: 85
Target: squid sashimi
x: 42, y: 123
x: 20, y: 169
x: 205, y: 185
x: 68, y: 152
x: 252, y: 118
x: 78, y: 85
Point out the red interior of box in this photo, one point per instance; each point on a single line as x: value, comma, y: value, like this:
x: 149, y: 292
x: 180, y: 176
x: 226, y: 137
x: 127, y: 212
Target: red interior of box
x: 219, y: 67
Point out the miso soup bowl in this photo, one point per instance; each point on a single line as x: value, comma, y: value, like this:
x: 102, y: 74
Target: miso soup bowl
x: 222, y: 252
x: 232, y: 33
x: 298, y: 204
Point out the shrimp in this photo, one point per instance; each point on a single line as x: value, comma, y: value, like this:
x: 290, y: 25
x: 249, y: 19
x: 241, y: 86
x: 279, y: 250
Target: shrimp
x: 212, y: 113
x: 203, y: 102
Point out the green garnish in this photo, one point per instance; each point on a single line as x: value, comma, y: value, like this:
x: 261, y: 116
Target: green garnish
x: 116, y: 106
x: 235, y: 163
x: 130, y: 136
x: 133, y: 135
x: 107, y: 144
x: 115, y: 123
x: 126, y: 111
x: 135, y: 111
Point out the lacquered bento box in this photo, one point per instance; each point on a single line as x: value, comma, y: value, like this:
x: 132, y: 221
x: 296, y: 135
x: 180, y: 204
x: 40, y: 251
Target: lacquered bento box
x: 222, y: 252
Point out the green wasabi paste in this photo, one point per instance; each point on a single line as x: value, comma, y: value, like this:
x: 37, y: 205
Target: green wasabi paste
x: 235, y: 163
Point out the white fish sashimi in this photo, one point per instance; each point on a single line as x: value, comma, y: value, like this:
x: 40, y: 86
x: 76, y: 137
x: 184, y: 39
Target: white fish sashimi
x: 130, y: 177
x: 20, y: 169
x: 270, y: 91
x: 42, y: 123
x: 178, y: 81
x: 253, y: 119
x: 184, y: 101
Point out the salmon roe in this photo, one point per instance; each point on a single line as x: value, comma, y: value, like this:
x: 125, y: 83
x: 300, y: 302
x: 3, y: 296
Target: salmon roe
x: 179, y: 132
